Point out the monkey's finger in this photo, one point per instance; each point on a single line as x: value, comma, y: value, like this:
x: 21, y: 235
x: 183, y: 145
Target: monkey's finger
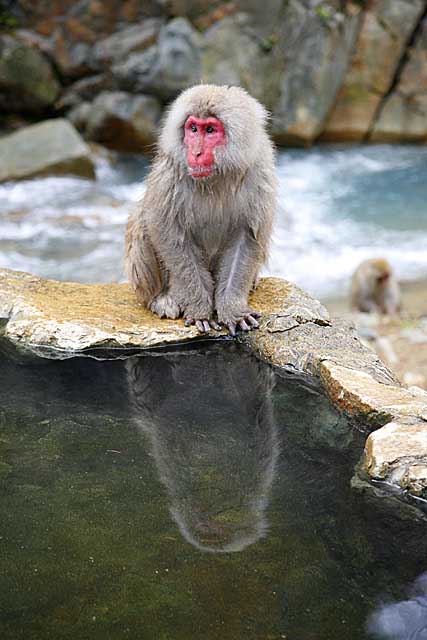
x: 252, y: 321
x: 243, y: 325
x: 206, y: 326
x: 232, y: 328
x: 189, y: 321
x: 215, y: 325
x: 255, y: 314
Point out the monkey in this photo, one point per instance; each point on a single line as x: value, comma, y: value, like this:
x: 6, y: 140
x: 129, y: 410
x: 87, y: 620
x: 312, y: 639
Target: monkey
x: 196, y: 244
x: 374, y: 288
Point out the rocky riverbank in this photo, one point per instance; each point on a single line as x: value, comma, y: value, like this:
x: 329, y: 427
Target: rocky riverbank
x: 335, y: 71
x: 401, y: 342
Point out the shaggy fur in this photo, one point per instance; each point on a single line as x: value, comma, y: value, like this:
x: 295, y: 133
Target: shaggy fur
x: 195, y: 246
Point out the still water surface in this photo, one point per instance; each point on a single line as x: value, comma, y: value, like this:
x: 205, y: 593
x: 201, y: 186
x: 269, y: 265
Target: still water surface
x: 192, y: 494
x: 338, y: 206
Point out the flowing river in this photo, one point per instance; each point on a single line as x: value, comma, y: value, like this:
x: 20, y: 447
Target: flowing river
x: 338, y: 206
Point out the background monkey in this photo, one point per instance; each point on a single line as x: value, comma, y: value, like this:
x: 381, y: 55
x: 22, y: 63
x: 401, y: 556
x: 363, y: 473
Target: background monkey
x: 196, y: 245
x: 374, y: 288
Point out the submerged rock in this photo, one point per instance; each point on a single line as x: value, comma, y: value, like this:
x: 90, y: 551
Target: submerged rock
x: 52, y: 147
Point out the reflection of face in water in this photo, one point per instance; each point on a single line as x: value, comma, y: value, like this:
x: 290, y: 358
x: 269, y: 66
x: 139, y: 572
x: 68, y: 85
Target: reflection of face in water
x: 208, y: 414
x: 405, y: 620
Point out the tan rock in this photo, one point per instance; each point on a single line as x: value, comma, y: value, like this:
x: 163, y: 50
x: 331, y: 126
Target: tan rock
x: 397, y: 453
x: 403, y: 116
x: 379, y: 49
x: 69, y: 317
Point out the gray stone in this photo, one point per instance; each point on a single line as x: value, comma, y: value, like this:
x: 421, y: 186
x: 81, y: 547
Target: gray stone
x: 123, y: 121
x: 165, y: 68
x: 246, y: 64
x: 85, y: 90
x: 312, y: 55
x: 51, y: 147
x: 121, y: 43
x: 27, y: 81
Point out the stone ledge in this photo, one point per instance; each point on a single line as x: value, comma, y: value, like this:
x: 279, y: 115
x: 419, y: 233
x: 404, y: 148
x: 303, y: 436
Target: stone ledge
x: 64, y: 319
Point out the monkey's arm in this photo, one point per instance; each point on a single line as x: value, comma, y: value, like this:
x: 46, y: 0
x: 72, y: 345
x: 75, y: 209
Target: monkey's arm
x: 237, y: 269
x: 190, y: 282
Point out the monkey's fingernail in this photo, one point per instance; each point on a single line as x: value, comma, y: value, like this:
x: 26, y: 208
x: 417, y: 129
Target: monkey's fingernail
x: 188, y: 322
x: 256, y: 314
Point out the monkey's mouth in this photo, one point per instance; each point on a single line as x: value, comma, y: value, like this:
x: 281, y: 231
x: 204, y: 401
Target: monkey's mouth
x: 201, y: 172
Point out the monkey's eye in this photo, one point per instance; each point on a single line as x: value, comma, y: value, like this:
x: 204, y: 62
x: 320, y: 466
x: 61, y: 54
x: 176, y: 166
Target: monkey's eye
x: 193, y: 128
x: 210, y: 129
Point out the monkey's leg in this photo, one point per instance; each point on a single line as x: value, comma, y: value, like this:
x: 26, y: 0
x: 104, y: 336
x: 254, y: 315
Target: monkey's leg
x: 190, y: 282
x: 236, y: 272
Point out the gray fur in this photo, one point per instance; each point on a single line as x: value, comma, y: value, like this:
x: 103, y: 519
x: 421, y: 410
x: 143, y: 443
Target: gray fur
x: 195, y: 246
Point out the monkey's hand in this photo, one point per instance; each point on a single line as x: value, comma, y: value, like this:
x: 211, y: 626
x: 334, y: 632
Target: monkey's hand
x: 238, y: 318
x: 203, y: 325
x: 201, y: 315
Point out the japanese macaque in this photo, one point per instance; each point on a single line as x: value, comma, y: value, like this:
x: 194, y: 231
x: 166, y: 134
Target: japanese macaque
x: 196, y: 245
x: 374, y: 288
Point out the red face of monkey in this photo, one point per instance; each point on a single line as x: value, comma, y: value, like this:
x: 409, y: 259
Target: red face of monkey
x: 201, y: 137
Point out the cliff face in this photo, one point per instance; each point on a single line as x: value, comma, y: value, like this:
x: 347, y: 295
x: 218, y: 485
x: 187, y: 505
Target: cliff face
x: 335, y: 71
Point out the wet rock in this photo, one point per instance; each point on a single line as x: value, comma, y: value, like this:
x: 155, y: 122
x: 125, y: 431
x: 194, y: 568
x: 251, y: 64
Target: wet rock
x: 385, y: 31
x: 27, y: 81
x: 119, y: 45
x: 397, y: 454
x: 312, y: 53
x: 122, y: 121
x: 165, y: 68
x: 51, y: 147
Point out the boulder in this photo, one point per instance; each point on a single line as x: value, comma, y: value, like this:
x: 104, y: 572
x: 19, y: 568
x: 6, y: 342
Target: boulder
x: 120, y: 44
x: 403, y: 114
x: 52, y: 147
x: 165, y: 68
x: 85, y: 90
x: 27, y: 81
x: 123, y: 121
x: 59, y: 320
x: 312, y: 54
x: 246, y: 64
x: 382, y: 40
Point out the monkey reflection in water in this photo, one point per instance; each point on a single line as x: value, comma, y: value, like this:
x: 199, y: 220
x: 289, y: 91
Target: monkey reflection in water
x: 209, y: 418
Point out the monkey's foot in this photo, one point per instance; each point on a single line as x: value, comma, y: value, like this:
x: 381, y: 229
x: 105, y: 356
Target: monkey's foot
x: 165, y: 306
x: 244, y: 320
x: 203, y: 325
